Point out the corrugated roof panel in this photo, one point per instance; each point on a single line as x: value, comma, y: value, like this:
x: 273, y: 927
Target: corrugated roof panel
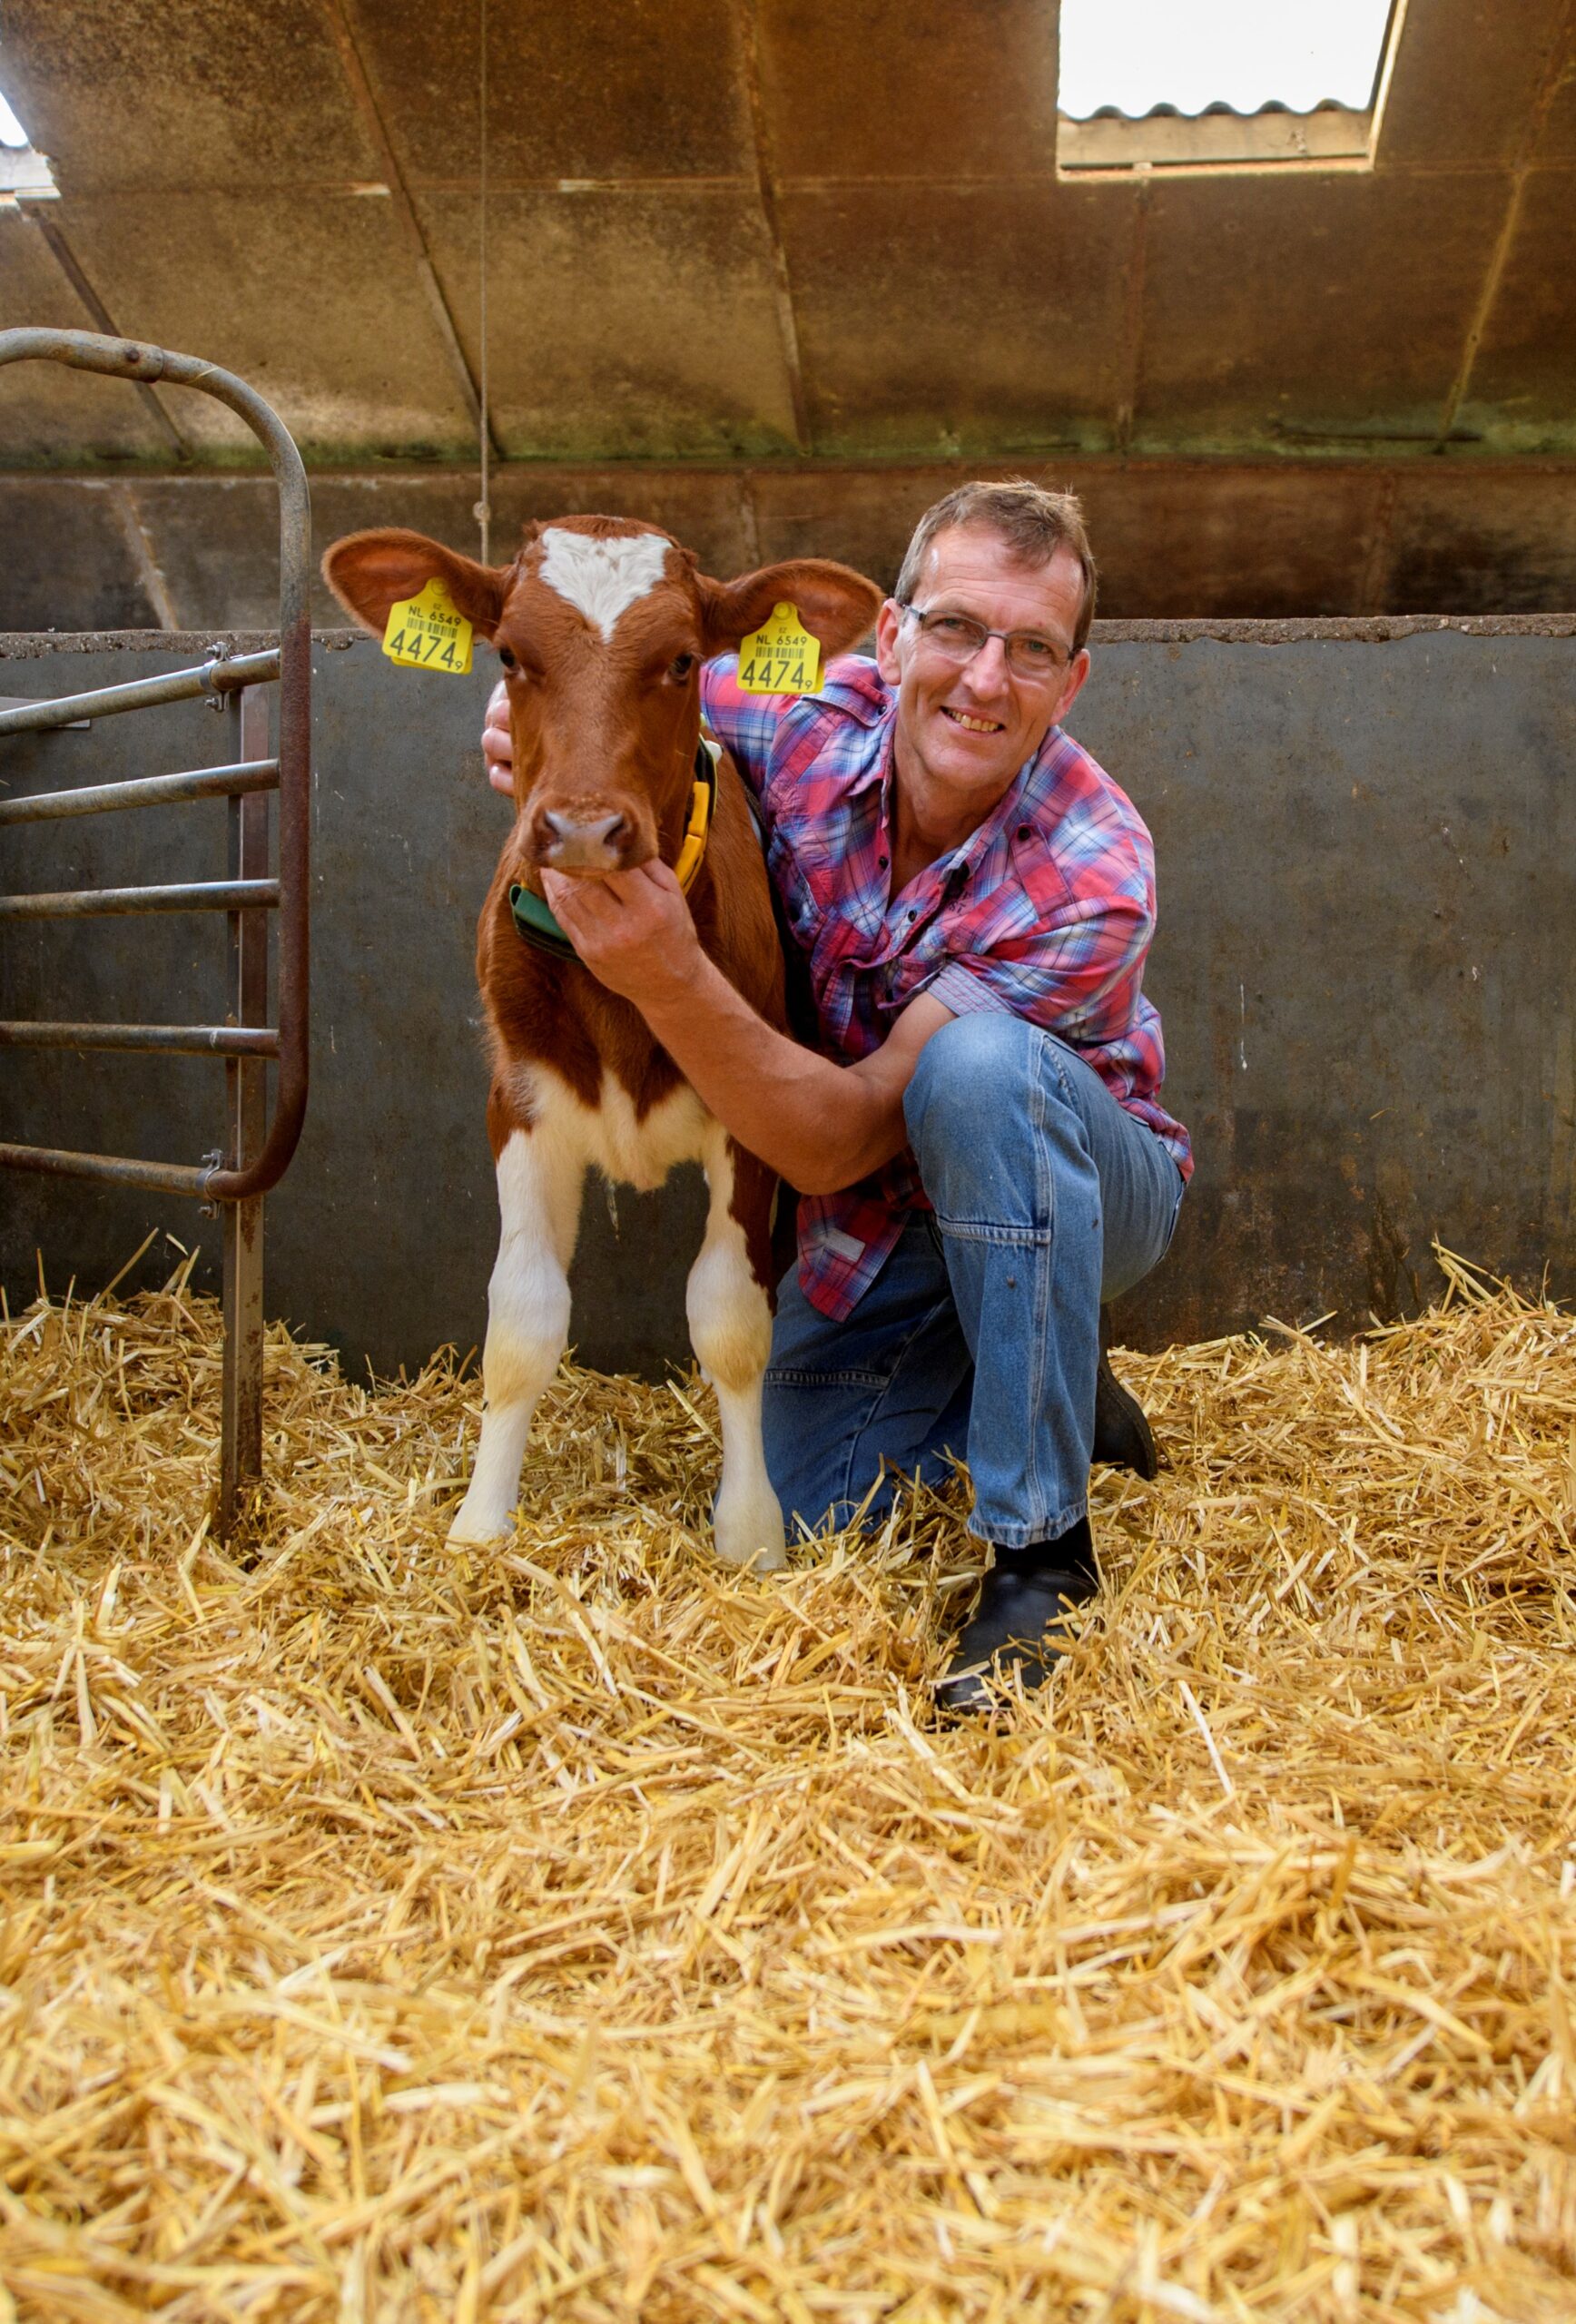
x: 1136, y: 57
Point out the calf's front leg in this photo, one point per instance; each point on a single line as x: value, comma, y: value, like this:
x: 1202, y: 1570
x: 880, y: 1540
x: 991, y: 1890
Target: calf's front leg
x: 729, y: 1304
x: 539, y: 1181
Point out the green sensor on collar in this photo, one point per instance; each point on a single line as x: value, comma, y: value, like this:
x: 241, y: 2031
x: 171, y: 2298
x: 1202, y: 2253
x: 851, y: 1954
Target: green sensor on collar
x: 537, y: 924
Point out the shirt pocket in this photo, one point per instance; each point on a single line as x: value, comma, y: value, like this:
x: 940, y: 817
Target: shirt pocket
x: 803, y: 914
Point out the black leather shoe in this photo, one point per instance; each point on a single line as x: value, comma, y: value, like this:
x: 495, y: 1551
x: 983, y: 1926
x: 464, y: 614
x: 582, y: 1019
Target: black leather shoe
x: 1020, y: 1624
x: 1123, y: 1438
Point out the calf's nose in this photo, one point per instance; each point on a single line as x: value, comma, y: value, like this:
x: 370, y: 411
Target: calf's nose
x: 570, y: 844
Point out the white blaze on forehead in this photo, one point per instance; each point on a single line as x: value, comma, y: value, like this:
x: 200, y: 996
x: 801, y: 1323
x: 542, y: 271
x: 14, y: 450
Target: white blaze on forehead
x: 601, y: 578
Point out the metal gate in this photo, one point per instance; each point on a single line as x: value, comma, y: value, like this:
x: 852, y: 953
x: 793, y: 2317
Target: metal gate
x: 256, y: 1149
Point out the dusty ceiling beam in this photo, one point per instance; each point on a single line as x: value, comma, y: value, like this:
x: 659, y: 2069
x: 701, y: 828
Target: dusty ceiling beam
x: 339, y: 16
x: 65, y: 260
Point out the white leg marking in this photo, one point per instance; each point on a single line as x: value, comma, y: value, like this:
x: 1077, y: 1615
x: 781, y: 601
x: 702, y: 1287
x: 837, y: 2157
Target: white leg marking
x: 539, y: 1174
x: 601, y: 578
x: 730, y: 1326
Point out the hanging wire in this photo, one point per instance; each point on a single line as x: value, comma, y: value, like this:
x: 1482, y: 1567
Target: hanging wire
x: 483, y: 511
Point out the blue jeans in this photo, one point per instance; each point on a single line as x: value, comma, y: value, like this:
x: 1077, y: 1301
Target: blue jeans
x: 980, y: 1338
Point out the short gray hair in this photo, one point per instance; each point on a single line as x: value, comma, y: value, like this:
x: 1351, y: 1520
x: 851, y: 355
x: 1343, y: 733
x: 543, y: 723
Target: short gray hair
x: 1032, y: 523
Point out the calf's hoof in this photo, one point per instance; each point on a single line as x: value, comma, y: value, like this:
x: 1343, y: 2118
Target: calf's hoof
x: 475, y: 1527
x: 751, y: 1535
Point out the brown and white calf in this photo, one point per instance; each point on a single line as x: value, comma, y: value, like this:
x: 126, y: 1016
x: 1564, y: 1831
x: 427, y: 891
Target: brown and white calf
x: 601, y: 625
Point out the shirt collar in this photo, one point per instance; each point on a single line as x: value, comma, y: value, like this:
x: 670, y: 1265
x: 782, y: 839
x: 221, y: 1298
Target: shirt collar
x: 1025, y: 799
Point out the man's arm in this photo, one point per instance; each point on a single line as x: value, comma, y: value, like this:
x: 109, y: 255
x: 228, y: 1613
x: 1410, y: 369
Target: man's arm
x: 819, y: 1126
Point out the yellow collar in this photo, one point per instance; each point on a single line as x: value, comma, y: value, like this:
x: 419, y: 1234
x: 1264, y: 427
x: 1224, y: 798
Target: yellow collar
x: 703, y: 805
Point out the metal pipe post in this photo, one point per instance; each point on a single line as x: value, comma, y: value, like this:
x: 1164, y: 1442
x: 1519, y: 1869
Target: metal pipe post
x: 241, y: 1450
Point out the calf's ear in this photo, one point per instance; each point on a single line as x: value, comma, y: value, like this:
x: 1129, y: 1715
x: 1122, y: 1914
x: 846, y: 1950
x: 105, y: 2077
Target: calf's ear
x: 835, y: 603
x: 370, y: 572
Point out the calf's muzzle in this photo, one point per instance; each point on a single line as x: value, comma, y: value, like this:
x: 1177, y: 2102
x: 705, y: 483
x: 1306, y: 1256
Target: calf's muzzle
x: 585, y: 843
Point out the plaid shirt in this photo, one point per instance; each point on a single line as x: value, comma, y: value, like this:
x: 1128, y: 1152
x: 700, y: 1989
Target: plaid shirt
x: 1047, y: 911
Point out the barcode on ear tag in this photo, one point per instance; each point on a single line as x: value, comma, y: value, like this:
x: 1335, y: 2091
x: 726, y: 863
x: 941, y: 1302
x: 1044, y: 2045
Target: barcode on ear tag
x: 428, y: 631
x: 781, y: 656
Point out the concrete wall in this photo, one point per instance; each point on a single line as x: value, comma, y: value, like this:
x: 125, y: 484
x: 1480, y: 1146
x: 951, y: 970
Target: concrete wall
x: 1216, y: 538
x: 1366, y: 835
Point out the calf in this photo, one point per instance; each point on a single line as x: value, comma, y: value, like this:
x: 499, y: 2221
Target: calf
x: 601, y: 627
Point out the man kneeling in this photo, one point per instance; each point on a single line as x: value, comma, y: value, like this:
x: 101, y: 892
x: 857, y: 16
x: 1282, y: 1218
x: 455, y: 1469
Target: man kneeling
x: 969, y: 900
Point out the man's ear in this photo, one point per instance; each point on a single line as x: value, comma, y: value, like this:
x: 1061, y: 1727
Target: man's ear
x: 836, y: 605
x: 370, y: 572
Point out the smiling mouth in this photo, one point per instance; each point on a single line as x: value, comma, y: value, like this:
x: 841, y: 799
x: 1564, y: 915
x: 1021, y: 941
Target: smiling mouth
x: 972, y: 725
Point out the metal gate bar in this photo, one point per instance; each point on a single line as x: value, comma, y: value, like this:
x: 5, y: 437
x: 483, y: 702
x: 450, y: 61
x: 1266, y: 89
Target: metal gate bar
x: 88, y: 903
x: 149, y: 791
x: 257, y: 1150
x: 220, y: 675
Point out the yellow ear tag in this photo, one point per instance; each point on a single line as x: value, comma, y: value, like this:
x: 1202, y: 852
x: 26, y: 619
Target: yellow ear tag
x: 428, y: 631
x: 781, y: 656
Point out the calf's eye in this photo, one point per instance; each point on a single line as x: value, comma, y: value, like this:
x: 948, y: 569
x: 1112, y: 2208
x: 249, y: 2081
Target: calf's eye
x: 507, y: 658
x: 681, y: 665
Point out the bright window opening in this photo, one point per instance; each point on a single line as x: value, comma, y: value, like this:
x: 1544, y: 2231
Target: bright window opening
x: 25, y: 175
x: 1156, y: 83
x: 10, y: 130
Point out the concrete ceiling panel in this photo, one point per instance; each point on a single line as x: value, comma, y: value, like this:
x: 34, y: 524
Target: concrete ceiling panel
x: 588, y: 89
x: 46, y: 412
x: 1491, y: 542
x: 1520, y: 392
x: 1309, y: 312
x: 629, y: 324
x: 312, y: 298
x: 1467, y: 77
x: 181, y: 93
x: 68, y: 561
x: 873, y: 89
x: 974, y: 320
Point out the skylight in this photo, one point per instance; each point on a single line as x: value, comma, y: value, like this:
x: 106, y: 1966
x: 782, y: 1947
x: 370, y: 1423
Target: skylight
x: 1156, y: 82
x: 10, y: 130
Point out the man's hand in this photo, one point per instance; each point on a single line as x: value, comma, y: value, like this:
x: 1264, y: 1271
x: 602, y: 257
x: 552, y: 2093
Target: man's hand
x: 497, y: 744
x: 631, y: 929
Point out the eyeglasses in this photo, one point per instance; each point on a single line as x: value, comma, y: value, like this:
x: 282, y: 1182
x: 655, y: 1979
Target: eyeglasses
x: 956, y: 637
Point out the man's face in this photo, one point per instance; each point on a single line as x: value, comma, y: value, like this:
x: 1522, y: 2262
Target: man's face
x: 964, y: 730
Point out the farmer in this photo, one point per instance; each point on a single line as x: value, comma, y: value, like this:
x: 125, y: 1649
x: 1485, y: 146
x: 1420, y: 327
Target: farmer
x: 978, y: 1139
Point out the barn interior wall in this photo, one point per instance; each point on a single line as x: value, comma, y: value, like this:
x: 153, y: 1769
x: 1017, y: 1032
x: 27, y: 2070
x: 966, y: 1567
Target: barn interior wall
x: 1366, y: 835
x: 772, y: 276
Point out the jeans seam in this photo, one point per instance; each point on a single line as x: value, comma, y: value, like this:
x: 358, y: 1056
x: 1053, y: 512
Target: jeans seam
x: 1045, y: 1261
x: 971, y: 1230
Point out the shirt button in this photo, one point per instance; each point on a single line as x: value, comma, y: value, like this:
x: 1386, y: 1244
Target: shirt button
x: 1024, y: 831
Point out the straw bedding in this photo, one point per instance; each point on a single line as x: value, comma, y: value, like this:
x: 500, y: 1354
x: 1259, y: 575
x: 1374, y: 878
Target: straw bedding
x: 581, y: 1932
